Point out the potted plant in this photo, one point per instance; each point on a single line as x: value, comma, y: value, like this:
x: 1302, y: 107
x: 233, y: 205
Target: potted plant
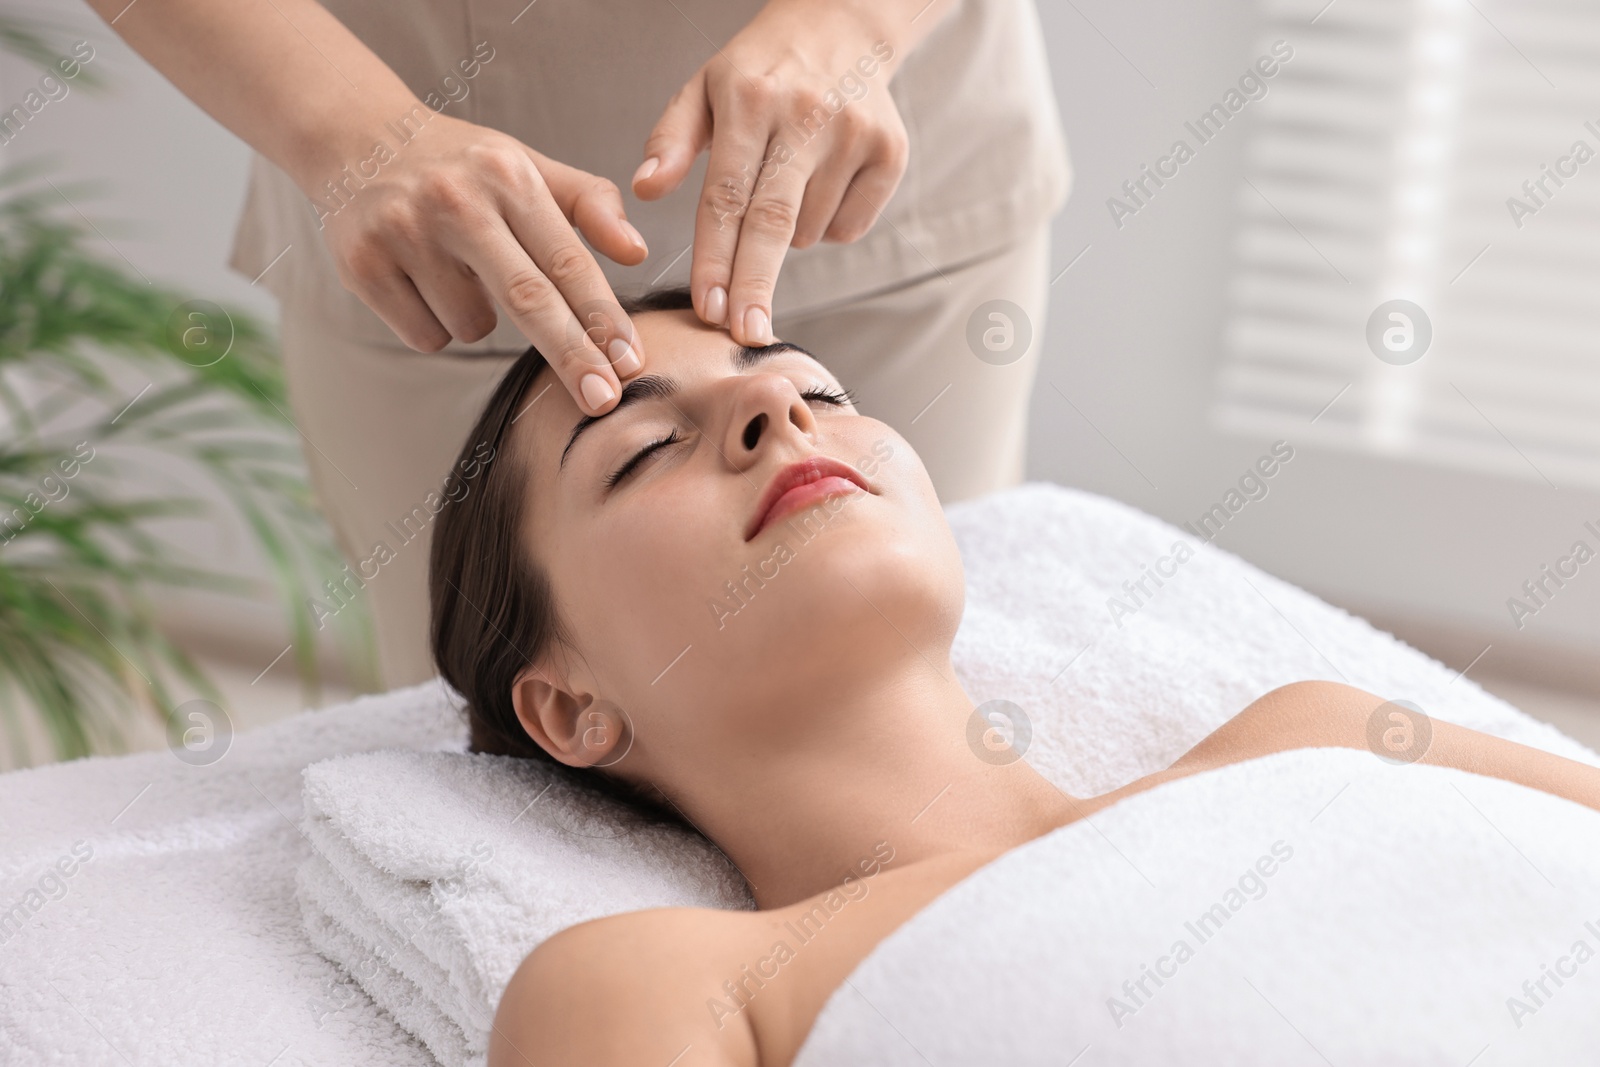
x: 104, y: 375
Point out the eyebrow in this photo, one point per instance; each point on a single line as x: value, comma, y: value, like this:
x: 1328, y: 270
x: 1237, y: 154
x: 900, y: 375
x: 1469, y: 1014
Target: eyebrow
x: 661, y: 387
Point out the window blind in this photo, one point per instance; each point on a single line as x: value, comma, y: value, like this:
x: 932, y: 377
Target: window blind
x: 1445, y: 153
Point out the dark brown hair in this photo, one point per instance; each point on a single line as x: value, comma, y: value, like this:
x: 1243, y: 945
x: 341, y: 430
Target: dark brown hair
x: 491, y: 608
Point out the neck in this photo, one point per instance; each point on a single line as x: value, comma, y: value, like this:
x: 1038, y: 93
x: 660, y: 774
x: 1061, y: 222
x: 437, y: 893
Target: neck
x: 882, y: 769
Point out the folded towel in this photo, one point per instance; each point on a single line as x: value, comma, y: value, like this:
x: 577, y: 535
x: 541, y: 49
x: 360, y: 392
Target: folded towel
x: 433, y: 874
x: 438, y: 872
x: 1315, y: 906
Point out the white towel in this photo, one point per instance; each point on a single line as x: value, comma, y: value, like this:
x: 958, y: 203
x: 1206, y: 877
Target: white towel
x: 1106, y: 703
x: 179, y: 941
x: 434, y: 874
x: 1317, y: 906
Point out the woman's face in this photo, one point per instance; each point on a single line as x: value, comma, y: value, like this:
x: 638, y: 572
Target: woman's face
x: 695, y: 593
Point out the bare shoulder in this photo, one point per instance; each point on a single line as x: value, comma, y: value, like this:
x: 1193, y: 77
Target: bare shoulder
x: 1310, y: 714
x: 695, y: 987
x: 625, y: 989
x: 1318, y: 714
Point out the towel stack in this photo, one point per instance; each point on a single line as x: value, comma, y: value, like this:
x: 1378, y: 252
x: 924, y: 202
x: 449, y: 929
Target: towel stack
x: 434, y: 874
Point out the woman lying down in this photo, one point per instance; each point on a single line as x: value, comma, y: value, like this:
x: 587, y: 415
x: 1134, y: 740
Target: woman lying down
x: 575, y: 606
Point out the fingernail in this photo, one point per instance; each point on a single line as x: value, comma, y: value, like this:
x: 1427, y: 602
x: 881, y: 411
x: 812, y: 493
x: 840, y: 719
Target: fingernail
x: 596, y: 390
x: 755, y: 326
x: 717, y: 305
x: 624, y: 360
x: 633, y: 235
x: 647, y: 168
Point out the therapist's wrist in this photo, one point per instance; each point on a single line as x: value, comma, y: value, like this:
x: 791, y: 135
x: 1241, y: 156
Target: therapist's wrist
x: 337, y: 143
x: 902, y: 24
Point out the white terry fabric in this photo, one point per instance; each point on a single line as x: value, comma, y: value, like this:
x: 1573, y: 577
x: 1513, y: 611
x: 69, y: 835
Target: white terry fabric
x: 181, y: 940
x: 434, y: 875
x: 1109, y: 704
x: 1397, y: 913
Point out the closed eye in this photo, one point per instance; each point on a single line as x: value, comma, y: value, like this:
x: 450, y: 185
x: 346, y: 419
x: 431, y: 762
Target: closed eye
x: 639, y: 457
x: 829, y: 395
x: 822, y: 393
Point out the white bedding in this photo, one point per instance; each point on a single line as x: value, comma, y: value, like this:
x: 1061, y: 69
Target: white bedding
x: 1318, y: 906
x: 180, y: 939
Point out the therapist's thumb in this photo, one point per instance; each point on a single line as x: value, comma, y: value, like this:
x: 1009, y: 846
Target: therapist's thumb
x: 683, y: 130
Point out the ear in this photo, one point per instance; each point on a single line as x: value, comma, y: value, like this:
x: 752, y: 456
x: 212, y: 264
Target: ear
x: 573, y: 725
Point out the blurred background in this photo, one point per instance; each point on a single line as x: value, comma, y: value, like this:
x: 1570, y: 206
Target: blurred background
x: 1232, y: 309
x: 1207, y: 303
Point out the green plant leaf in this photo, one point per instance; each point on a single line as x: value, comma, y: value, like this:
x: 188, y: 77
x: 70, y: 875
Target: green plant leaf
x: 88, y: 358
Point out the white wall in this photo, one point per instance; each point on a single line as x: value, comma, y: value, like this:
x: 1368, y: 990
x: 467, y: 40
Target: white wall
x: 1134, y: 336
x: 174, y: 176
x: 1135, y: 339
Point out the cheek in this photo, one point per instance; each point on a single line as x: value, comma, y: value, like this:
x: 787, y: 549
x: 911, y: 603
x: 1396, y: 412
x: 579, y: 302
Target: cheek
x: 633, y: 585
x: 906, y: 552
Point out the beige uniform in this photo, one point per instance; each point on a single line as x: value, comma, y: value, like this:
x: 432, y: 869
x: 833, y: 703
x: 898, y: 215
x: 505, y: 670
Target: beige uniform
x: 903, y: 316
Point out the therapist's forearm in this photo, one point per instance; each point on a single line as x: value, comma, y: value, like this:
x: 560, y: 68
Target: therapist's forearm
x: 284, y: 75
x: 903, y: 23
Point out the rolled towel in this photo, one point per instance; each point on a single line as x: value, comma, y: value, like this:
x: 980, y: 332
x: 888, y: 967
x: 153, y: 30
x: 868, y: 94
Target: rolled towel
x: 453, y: 867
x: 434, y: 874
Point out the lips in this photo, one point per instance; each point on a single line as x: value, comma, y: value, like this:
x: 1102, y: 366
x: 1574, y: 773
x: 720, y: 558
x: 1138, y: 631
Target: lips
x: 802, y: 484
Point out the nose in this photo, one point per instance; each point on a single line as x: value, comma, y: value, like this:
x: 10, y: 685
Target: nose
x: 768, y: 410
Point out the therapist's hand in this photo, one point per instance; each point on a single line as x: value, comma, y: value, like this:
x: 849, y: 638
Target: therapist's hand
x: 806, y: 145
x: 462, y: 214
x: 463, y: 217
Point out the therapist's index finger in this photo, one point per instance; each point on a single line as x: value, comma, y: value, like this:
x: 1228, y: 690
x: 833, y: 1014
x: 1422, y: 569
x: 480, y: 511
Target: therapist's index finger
x: 733, y: 174
x: 578, y: 327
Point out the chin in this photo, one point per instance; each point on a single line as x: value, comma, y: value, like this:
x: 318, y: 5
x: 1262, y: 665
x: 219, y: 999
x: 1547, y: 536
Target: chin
x: 826, y: 596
